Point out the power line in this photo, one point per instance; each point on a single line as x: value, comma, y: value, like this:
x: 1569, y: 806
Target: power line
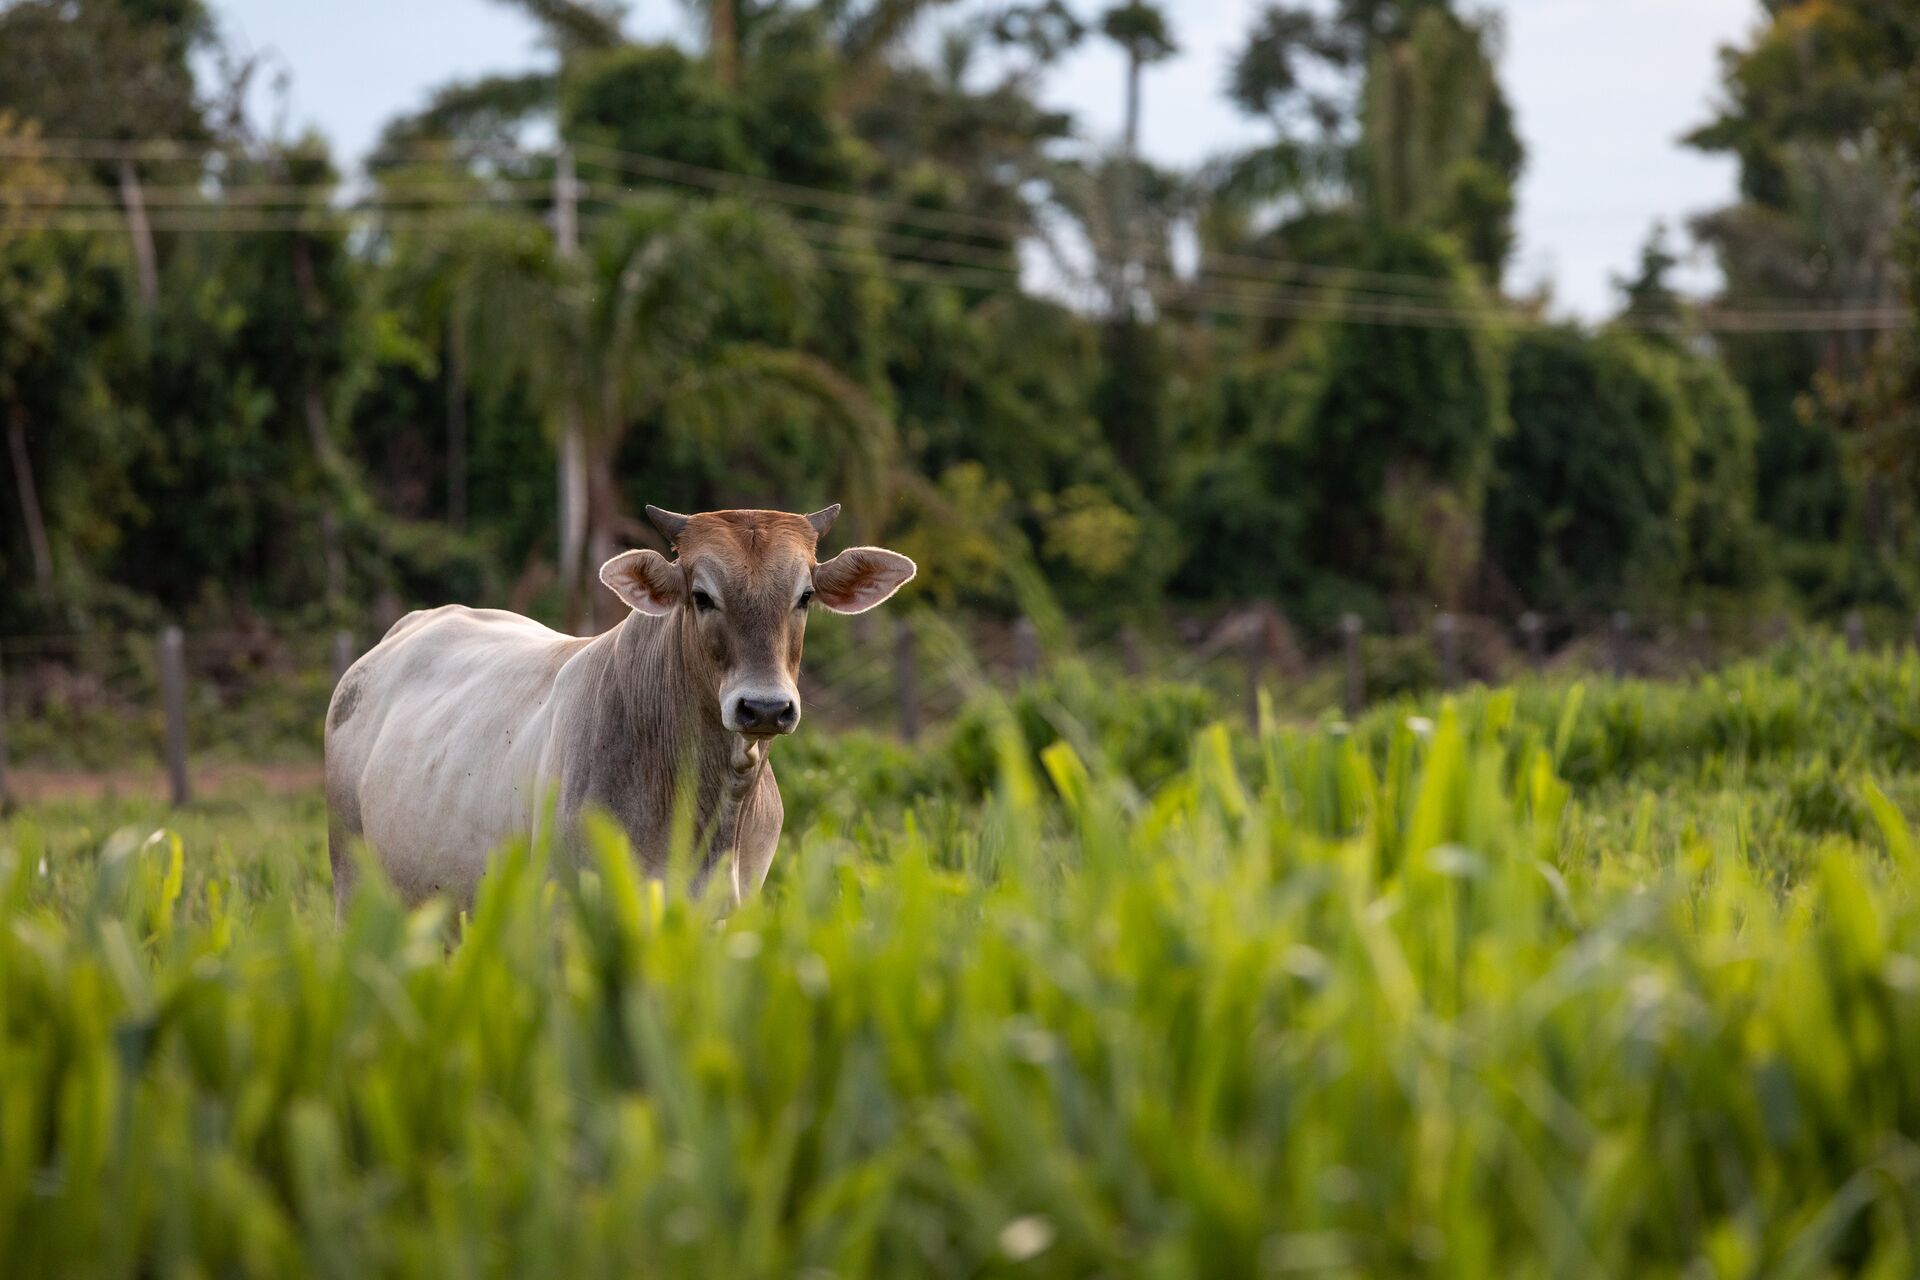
x: 47, y: 195
x: 840, y: 257
x: 855, y: 205
x: 1224, y: 266
x: 966, y: 265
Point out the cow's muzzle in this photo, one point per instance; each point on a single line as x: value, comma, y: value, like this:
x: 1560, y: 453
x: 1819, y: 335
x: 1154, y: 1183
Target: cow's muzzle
x: 763, y: 716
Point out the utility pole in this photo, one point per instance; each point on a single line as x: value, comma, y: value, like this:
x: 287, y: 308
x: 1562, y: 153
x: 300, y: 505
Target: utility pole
x: 573, y: 445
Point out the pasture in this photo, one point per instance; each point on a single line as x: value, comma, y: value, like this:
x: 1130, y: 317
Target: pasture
x: 1555, y: 979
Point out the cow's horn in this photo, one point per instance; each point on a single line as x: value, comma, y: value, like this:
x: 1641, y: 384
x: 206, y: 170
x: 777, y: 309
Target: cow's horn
x: 668, y: 522
x: 822, y: 520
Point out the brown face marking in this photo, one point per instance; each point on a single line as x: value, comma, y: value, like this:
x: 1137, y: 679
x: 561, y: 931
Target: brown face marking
x: 759, y: 562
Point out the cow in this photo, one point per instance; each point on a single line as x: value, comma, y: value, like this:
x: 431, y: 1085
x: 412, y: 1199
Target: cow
x: 458, y: 730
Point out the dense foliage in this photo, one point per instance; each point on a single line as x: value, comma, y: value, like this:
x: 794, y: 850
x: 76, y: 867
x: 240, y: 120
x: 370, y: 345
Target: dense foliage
x: 795, y: 275
x: 1620, y: 980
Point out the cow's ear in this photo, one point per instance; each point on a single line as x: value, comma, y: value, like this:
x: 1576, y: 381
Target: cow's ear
x: 859, y: 578
x: 646, y: 580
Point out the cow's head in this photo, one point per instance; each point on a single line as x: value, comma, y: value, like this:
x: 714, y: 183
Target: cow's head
x: 740, y: 589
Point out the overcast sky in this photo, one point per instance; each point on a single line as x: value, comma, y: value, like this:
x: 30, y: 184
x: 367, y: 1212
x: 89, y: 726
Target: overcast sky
x: 1603, y: 90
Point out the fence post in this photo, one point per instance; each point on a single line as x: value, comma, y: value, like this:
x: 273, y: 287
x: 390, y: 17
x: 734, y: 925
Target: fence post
x: 173, y: 699
x: 4, y: 795
x: 1533, y: 635
x: 1702, y: 636
x: 909, y: 679
x: 1356, y: 667
x: 1026, y: 648
x: 1446, y: 634
x: 1131, y: 660
x: 1856, y: 631
x: 1618, y: 627
x: 1255, y: 655
x: 343, y: 654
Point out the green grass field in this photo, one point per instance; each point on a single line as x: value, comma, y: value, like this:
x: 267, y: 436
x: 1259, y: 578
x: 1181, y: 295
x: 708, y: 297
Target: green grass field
x: 1546, y: 981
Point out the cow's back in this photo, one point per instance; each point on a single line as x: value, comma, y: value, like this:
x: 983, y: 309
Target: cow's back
x: 435, y: 742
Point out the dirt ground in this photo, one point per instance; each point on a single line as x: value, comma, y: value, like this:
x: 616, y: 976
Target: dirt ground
x: 38, y: 786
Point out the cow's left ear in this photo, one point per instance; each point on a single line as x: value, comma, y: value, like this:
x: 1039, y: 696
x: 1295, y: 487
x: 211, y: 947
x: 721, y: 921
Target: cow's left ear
x: 646, y: 580
x: 859, y: 578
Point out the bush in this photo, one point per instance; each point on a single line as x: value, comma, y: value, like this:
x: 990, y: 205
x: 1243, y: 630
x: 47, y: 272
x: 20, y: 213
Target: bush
x: 1142, y: 731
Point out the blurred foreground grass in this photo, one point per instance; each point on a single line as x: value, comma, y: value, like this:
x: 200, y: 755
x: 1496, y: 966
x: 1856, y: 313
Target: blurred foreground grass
x: 1622, y: 980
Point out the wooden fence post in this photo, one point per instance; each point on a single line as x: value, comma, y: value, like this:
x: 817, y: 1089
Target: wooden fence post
x: 1026, y: 649
x: 1856, y: 631
x: 1254, y: 654
x: 1533, y: 634
x: 1446, y: 634
x: 1617, y: 632
x: 173, y: 699
x: 1131, y: 660
x: 1356, y: 667
x: 908, y: 677
x: 343, y: 654
x: 1702, y: 636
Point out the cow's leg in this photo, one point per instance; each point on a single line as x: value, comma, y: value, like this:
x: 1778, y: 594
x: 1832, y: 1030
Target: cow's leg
x: 340, y: 856
x: 757, y: 837
x: 749, y: 760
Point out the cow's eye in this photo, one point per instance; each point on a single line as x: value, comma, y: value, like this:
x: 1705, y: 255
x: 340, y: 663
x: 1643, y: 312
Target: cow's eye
x: 806, y: 598
x: 702, y: 601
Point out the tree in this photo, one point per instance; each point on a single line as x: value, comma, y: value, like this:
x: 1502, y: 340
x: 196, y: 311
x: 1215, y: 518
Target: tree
x: 1434, y: 147
x: 63, y: 336
x: 683, y: 323
x: 1141, y: 31
x: 1587, y: 501
x: 1628, y: 473
x: 1402, y: 434
x: 1651, y: 299
x: 1389, y: 111
x: 115, y: 70
x: 1807, y: 106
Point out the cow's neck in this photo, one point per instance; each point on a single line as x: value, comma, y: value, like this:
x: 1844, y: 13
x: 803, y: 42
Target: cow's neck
x: 667, y: 735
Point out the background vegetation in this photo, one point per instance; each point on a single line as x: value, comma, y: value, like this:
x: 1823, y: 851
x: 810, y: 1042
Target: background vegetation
x: 241, y: 382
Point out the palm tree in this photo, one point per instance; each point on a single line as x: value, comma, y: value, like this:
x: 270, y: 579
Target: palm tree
x: 1141, y: 31
x: 686, y: 319
x: 695, y: 331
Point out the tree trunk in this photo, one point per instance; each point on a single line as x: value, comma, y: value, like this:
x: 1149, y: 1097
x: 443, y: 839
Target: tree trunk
x: 1133, y: 108
x: 456, y: 423
x: 146, y: 263
x: 603, y: 492
x: 724, y: 37
x: 314, y: 405
x: 572, y: 459
x: 331, y: 555
x: 573, y: 513
x: 1129, y: 193
x: 30, y: 513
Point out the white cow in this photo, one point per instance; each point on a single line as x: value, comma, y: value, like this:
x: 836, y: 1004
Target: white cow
x: 446, y: 739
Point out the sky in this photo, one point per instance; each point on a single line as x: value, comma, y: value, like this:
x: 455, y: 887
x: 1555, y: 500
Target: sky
x: 1603, y: 91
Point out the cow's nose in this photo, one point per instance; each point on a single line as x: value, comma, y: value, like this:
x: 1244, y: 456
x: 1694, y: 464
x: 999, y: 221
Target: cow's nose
x: 765, y: 715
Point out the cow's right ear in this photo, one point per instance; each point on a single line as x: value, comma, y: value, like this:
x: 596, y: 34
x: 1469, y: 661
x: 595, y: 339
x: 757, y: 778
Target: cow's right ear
x: 646, y: 580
